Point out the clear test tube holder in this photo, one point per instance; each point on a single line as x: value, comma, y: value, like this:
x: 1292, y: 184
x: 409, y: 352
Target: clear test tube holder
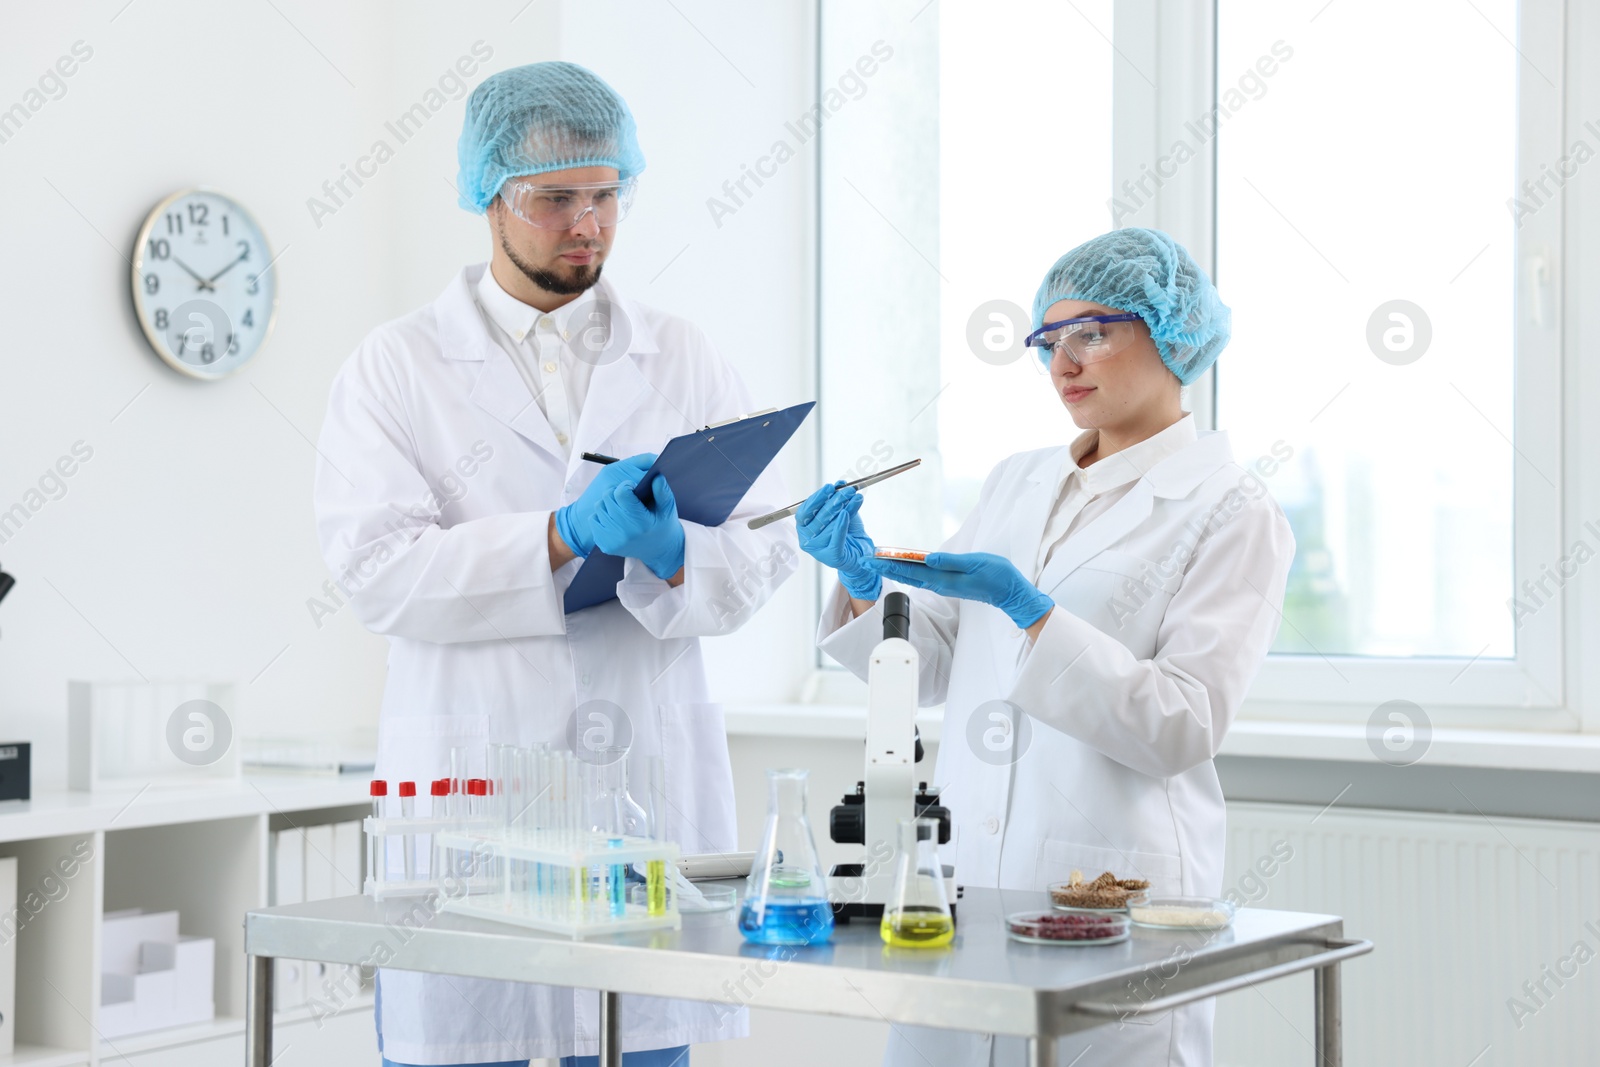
x: 419, y: 828
x: 555, y: 849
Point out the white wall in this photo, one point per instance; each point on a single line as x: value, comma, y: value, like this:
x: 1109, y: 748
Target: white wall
x: 184, y: 547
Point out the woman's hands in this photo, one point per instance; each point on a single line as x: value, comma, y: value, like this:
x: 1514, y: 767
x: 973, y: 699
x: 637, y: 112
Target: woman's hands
x: 979, y: 576
x: 831, y: 531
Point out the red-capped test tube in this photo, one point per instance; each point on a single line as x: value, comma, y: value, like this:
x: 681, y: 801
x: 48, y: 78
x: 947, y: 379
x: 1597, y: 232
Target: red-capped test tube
x: 408, y: 841
x: 379, y: 791
x: 438, y: 807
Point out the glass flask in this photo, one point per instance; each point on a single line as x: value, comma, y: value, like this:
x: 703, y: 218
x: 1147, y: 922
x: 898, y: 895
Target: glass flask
x: 917, y: 914
x: 612, y: 808
x: 786, y: 900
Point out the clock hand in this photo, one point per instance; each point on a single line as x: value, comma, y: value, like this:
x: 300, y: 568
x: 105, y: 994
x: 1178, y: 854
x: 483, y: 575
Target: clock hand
x: 229, y: 267
x: 204, y: 282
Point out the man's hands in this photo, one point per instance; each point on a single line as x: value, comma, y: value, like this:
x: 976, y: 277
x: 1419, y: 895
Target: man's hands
x: 574, y: 522
x: 653, y: 535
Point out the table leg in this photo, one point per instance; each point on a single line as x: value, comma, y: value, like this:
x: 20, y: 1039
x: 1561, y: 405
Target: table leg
x: 1042, y: 1051
x: 1325, y: 991
x: 258, y: 1011
x: 610, y: 1030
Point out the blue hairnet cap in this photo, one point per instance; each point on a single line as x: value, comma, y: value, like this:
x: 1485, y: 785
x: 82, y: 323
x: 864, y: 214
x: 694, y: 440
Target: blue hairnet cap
x: 539, y: 118
x: 1153, y: 276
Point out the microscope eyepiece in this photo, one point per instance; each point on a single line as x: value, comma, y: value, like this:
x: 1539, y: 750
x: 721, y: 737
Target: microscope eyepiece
x: 897, y: 616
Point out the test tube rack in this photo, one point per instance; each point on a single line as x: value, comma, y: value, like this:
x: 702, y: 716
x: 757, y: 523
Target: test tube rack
x: 424, y: 836
x: 573, y: 884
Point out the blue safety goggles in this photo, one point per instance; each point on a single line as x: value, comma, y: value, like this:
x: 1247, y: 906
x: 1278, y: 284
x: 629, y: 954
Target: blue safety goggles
x: 1088, y: 339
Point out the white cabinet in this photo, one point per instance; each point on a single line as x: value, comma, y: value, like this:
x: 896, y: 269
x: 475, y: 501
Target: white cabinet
x: 200, y: 851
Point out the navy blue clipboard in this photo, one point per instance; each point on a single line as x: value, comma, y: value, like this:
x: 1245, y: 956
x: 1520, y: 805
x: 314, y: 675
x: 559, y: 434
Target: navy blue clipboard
x: 710, y: 471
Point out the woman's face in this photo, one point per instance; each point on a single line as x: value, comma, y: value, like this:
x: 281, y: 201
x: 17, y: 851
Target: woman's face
x: 1124, y: 390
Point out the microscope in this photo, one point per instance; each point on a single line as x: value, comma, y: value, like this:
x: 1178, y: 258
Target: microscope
x: 889, y: 791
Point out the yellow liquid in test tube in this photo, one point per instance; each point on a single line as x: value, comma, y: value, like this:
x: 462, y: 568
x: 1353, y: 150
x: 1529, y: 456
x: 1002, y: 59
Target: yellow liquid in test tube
x: 917, y: 928
x: 656, y: 886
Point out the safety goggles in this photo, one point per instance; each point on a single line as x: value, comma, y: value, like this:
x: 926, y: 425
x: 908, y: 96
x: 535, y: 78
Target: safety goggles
x: 1089, y: 339
x: 561, y: 207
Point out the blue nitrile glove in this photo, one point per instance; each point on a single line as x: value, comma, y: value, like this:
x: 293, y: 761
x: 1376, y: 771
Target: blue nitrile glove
x: 831, y: 531
x: 623, y: 526
x: 572, y: 521
x: 979, y: 576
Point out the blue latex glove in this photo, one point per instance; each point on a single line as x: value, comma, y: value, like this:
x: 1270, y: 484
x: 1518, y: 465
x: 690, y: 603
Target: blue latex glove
x: 979, y: 576
x: 831, y: 531
x: 573, y: 521
x: 653, y: 535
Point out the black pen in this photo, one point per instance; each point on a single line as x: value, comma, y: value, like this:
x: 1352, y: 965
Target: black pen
x: 597, y: 457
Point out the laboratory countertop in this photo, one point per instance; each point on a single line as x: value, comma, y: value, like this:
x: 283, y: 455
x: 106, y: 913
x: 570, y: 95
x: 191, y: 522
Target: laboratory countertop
x: 983, y: 981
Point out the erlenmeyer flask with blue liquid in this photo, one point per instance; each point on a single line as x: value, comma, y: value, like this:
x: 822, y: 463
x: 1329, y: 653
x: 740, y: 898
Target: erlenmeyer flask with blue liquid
x: 786, y: 901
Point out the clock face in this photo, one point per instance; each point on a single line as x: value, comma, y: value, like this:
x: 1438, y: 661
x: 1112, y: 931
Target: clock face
x: 202, y: 287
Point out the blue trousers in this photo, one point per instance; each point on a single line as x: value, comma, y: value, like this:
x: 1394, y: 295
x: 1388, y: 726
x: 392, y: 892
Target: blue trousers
x: 656, y: 1057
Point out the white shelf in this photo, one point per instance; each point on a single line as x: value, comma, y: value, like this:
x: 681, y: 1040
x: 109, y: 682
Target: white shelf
x: 40, y: 1056
x: 62, y: 813
x: 199, y: 849
x: 221, y: 1026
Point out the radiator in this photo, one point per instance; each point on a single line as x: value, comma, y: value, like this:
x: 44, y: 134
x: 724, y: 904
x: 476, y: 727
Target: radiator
x: 1487, y: 932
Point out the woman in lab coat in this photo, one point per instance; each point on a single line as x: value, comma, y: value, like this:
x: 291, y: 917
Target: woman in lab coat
x: 1091, y: 628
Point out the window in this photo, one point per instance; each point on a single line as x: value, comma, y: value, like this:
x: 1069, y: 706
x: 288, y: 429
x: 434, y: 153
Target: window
x: 1364, y: 244
x: 1378, y: 190
x: 971, y: 163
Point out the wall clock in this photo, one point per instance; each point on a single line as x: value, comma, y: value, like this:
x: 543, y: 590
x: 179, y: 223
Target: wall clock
x: 202, y: 288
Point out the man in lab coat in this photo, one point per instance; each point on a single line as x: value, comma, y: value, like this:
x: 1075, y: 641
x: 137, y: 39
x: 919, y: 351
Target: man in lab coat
x: 453, y: 503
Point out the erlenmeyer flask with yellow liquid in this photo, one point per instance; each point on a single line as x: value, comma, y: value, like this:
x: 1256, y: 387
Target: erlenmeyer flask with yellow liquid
x: 917, y: 914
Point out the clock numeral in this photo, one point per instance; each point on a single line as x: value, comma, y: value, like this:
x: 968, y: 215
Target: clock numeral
x: 159, y: 249
x: 208, y: 353
x: 244, y: 251
x: 254, y: 288
x: 161, y: 318
x: 152, y: 284
x: 224, y: 225
x: 249, y: 317
x: 198, y: 213
x: 233, y: 344
x: 175, y: 224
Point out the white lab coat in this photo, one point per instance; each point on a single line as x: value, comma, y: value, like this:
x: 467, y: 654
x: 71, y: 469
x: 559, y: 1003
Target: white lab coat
x: 1128, y: 692
x: 437, y: 478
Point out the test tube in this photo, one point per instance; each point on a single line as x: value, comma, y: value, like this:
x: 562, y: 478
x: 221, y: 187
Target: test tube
x: 619, y: 882
x: 656, y: 797
x: 656, y: 886
x: 458, y: 780
x: 438, y: 807
x: 379, y: 790
x: 494, y: 784
x: 408, y: 841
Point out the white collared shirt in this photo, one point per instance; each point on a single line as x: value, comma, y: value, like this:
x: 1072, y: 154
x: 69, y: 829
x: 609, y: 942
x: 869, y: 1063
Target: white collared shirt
x: 539, y: 346
x: 1085, y: 493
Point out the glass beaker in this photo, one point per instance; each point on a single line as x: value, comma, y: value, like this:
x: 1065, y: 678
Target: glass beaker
x: 917, y: 914
x: 786, y: 899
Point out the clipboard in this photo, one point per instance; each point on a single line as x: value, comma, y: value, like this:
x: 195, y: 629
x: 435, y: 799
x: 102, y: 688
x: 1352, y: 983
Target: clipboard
x: 710, y: 471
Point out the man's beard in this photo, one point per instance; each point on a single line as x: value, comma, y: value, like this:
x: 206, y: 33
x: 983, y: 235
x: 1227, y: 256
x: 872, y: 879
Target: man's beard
x: 581, y: 280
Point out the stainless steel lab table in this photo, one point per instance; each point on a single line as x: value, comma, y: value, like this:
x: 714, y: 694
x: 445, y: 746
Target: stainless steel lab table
x: 983, y: 982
